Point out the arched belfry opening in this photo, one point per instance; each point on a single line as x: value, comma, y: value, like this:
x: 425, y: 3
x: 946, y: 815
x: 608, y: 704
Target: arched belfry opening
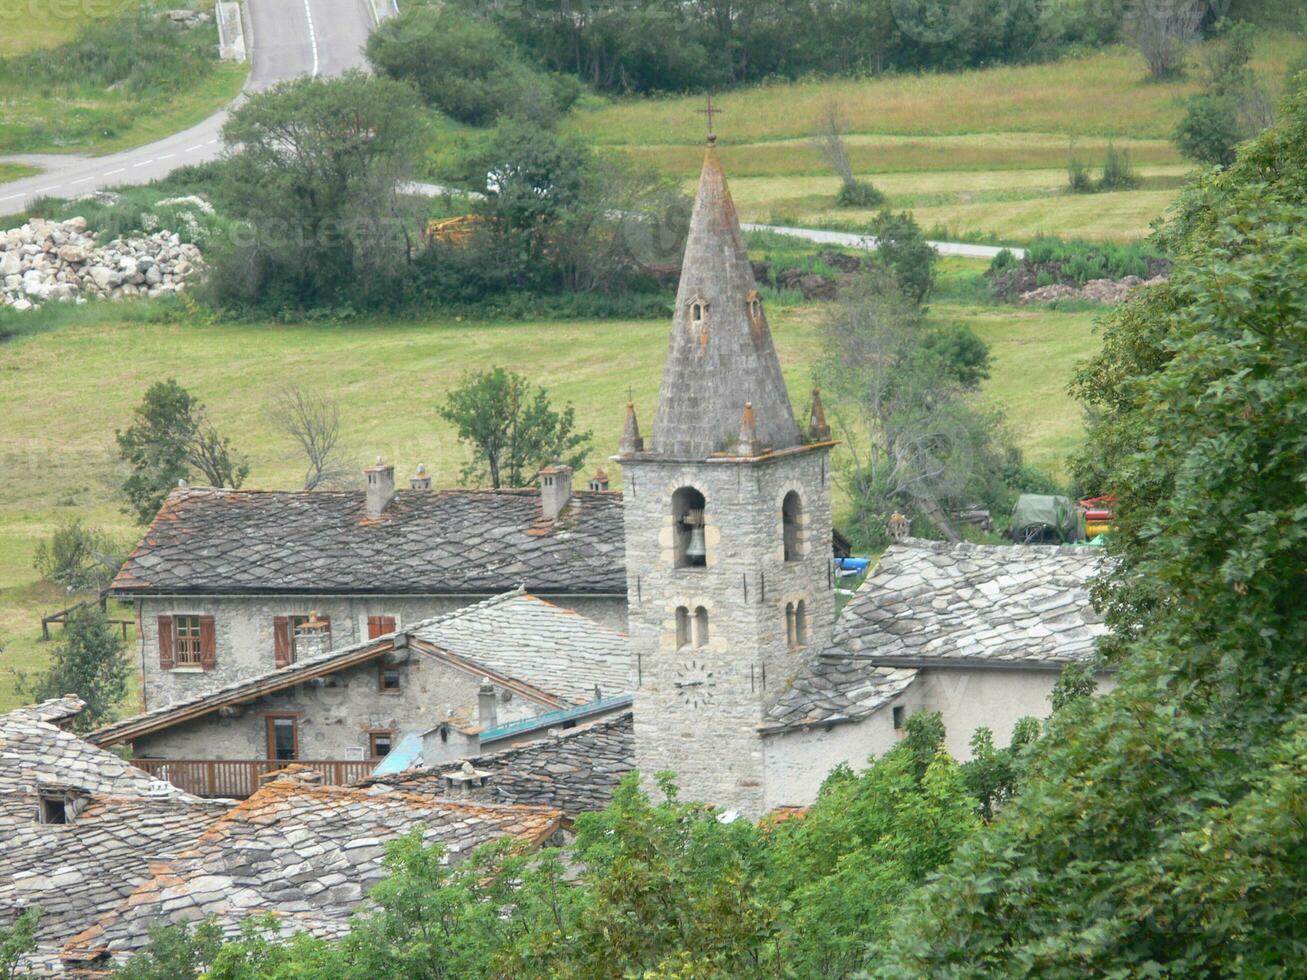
x: 791, y: 525
x: 687, y: 523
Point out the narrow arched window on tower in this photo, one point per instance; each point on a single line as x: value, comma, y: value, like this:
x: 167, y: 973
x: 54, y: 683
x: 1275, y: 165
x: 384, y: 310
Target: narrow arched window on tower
x: 689, y: 547
x: 791, y: 634
x: 682, y: 627
x: 701, y: 627
x: 800, y: 624
x: 791, y: 521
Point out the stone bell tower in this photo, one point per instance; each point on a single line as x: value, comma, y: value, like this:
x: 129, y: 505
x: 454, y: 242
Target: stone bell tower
x: 728, y: 524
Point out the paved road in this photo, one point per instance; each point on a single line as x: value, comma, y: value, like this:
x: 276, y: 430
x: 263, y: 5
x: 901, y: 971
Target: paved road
x: 285, y: 37
x: 848, y: 240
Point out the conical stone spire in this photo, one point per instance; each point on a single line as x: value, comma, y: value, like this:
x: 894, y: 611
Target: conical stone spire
x: 631, y: 441
x: 721, y: 354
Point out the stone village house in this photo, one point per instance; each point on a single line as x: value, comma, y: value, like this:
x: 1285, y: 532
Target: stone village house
x: 225, y: 580
x: 511, y: 658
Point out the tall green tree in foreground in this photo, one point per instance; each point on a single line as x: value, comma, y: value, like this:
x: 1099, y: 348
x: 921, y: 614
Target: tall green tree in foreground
x: 511, y: 428
x: 1163, y: 830
x: 170, y: 437
x: 88, y: 661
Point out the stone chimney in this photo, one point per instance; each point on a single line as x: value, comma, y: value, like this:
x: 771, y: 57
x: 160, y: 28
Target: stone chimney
x: 381, y: 487
x: 555, y: 489
x: 421, y: 480
x: 599, y: 481
x: 487, y: 714
x: 313, y: 638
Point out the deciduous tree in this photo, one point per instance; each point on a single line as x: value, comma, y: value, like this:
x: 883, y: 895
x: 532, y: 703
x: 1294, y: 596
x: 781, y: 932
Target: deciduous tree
x: 88, y: 661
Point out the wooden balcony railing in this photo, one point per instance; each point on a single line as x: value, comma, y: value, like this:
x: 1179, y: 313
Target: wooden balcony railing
x: 238, y: 778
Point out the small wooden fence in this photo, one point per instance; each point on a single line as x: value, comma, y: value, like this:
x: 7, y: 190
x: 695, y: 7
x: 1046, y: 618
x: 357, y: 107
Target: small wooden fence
x: 61, y: 617
x: 238, y: 778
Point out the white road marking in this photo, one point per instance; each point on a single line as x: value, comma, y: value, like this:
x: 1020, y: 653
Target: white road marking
x: 11, y: 197
x: 110, y: 173
x: 47, y: 190
x: 210, y: 143
x: 313, y: 38
x: 143, y: 163
x: 165, y: 156
x: 192, y: 149
x: 81, y: 180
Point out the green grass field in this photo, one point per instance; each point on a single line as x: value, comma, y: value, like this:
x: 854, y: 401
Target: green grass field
x: 29, y: 24
x: 982, y: 154
x: 64, y: 392
x: 42, y: 117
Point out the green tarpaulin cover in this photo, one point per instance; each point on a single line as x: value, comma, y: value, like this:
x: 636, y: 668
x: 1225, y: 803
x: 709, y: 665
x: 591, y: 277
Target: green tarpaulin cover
x: 1043, y: 517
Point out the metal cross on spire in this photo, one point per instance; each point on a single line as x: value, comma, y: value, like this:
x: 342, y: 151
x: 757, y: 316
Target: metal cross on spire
x: 710, y: 110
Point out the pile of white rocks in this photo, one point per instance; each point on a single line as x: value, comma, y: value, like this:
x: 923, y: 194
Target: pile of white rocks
x: 60, y: 260
x: 1109, y: 291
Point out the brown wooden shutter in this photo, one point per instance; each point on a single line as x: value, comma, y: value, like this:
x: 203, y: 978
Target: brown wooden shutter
x: 281, y: 639
x: 165, y: 643
x: 380, y: 626
x: 208, y: 644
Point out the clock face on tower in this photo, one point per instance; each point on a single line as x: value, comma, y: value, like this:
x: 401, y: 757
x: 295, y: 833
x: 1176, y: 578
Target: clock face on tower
x: 694, y: 682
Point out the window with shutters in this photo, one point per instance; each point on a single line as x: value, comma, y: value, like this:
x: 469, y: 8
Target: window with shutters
x: 187, y: 647
x: 381, y: 626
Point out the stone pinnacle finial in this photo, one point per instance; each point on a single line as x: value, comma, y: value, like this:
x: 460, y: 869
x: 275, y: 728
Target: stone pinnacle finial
x: 748, y: 444
x: 818, y: 427
x: 631, y: 439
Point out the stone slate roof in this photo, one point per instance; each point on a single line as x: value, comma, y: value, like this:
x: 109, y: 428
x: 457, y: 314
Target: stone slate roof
x: 207, y: 541
x: 78, y: 872
x: 836, y: 689
x: 716, y: 365
x: 534, y: 642
x: 928, y: 603
x: 931, y: 604
x: 575, y: 770
x: 306, y: 853
x: 551, y: 648
x: 124, y: 818
x: 36, y: 753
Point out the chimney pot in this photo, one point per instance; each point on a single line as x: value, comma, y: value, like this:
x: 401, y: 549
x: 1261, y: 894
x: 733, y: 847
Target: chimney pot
x: 381, y: 487
x: 487, y: 712
x: 421, y: 480
x: 599, y: 481
x: 555, y: 489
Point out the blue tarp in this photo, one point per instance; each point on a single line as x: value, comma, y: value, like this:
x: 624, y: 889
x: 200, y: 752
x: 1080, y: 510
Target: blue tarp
x: 403, y: 756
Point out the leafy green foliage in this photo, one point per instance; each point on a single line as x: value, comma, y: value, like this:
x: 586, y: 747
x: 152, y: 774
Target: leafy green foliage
x: 174, y: 951
x: 315, y: 179
x: 89, y: 661
x: 1145, y: 838
x: 510, y: 428
x: 899, y: 391
x: 464, y: 67
x: 902, y: 249
x: 78, y: 556
x: 17, y: 940
x: 170, y: 436
x: 857, y: 193
x: 1232, y: 106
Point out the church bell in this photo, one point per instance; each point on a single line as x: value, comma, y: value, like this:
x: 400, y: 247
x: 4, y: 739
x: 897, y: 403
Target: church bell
x: 696, y: 549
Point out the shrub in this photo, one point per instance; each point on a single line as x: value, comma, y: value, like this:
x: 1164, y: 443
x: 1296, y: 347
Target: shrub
x: 1118, y: 172
x: 902, y: 249
x: 465, y: 67
x: 1077, y: 175
x: 78, y: 557
x: 859, y: 194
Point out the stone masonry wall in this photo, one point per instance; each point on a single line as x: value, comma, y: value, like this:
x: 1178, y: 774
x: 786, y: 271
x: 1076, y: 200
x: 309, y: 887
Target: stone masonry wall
x: 243, y: 628
x: 337, y: 718
x: 697, y: 708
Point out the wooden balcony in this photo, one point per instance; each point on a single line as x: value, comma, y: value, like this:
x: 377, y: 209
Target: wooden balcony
x: 238, y: 778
